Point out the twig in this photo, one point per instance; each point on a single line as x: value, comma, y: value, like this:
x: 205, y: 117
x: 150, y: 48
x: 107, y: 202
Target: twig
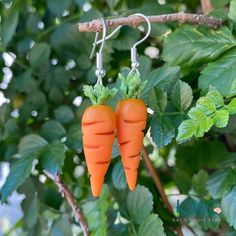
x: 96, y: 25
x: 66, y: 193
x: 158, y: 184
x: 206, y: 6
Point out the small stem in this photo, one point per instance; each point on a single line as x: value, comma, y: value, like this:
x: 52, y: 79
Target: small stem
x: 158, y: 184
x: 66, y: 193
x: 134, y: 21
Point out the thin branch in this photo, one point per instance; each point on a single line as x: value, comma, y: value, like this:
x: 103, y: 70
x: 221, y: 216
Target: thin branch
x: 96, y: 25
x: 206, y: 6
x: 156, y: 179
x: 66, y: 193
x: 158, y: 184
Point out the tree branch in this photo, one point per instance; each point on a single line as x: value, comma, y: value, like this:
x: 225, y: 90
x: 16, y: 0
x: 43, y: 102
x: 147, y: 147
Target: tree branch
x: 158, y: 184
x: 96, y: 25
x: 206, y: 6
x: 66, y: 193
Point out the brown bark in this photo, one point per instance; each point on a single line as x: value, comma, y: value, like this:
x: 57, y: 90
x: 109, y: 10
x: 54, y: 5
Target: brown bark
x: 96, y: 25
x: 66, y: 193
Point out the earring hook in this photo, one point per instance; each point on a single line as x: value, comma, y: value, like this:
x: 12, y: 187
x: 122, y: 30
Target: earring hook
x: 110, y: 35
x: 104, y: 38
x: 134, y: 61
x: 118, y: 28
x: 148, y: 31
x: 100, y: 72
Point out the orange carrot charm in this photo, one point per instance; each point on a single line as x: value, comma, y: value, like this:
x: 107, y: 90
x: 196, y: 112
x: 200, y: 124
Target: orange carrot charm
x: 131, y: 117
x: 98, y: 128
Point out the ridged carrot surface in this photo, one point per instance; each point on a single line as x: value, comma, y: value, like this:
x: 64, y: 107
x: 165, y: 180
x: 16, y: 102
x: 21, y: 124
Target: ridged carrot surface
x: 98, y: 128
x: 131, y: 117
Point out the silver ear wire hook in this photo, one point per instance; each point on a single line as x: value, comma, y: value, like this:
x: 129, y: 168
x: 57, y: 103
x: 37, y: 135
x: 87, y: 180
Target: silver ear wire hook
x: 110, y: 35
x: 134, y: 60
x: 100, y: 72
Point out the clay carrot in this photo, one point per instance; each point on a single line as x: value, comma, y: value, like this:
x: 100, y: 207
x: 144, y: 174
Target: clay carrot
x: 98, y: 128
x: 131, y: 116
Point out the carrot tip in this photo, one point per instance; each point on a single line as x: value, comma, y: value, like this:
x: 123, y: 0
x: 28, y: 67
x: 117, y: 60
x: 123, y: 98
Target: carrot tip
x: 96, y: 185
x: 131, y: 177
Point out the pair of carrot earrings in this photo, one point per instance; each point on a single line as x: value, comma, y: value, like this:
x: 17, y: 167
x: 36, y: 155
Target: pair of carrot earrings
x: 100, y: 122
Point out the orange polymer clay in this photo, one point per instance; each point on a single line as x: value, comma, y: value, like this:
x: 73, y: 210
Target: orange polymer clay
x: 98, y: 128
x: 131, y: 118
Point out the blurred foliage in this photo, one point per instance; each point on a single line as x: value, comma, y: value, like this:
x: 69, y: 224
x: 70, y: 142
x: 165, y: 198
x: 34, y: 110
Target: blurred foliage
x: 191, y: 85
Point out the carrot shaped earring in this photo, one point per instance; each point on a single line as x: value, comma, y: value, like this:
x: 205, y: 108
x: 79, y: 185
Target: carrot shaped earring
x: 131, y: 117
x: 98, y: 124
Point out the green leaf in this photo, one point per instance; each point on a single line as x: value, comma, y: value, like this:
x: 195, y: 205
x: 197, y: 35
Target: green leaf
x: 145, y: 66
x: 199, y: 182
x: 29, y: 148
x: 39, y: 54
x: 186, y: 130
x: 118, y: 176
x: 219, y: 3
x: 19, y: 171
x: 64, y: 114
x: 232, y: 106
x: 32, y: 213
x: 182, y: 180
x: 200, y: 154
x: 126, y: 38
x: 206, y: 105
x: 57, y: 7
x: 232, y: 10
x: 151, y: 226
x: 162, y: 130
x: 95, y: 212
x: 221, y: 182
x: 187, y: 208
x: 198, y: 125
x: 9, y: 25
x: 4, y: 113
x: 30, y: 144
x: 52, y: 130
x: 157, y: 100
x: 182, y: 95
x: 62, y: 227
x: 99, y: 94
x: 220, y: 74
x: 74, y: 138
x: 132, y: 85
x: 53, y: 157
x: 164, y: 78
x: 210, y: 220
x: 139, y: 204
x: 190, y: 46
x: 59, y: 78
x: 26, y: 83
x: 112, y: 3
x: 55, y: 95
x: 32, y: 22
x: 215, y: 97
x: 221, y: 118
x: 66, y: 41
x: 228, y: 204
x: 30, y: 204
x: 202, y: 122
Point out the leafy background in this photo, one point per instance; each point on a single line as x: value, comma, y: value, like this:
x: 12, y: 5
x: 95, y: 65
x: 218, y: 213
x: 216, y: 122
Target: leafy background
x: 192, y: 137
